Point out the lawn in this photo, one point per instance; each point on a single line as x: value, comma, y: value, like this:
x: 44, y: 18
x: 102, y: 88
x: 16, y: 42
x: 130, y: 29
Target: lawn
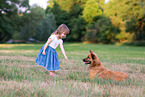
x: 21, y: 77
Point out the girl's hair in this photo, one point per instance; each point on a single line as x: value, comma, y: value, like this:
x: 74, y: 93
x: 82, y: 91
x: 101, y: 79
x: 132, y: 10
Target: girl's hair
x: 62, y: 28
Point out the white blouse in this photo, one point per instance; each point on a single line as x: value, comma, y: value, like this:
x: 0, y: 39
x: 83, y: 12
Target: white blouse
x: 55, y: 42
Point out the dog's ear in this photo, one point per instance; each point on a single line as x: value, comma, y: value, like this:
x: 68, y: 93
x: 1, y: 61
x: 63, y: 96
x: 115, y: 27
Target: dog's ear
x: 91, y: 51
x: 93, y: 56
x: 96, y: 60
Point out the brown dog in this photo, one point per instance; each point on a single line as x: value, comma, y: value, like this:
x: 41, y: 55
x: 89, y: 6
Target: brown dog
x: 97, y: 69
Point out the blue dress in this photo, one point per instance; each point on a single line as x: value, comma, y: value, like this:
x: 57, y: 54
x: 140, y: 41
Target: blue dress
x: 49, y: 60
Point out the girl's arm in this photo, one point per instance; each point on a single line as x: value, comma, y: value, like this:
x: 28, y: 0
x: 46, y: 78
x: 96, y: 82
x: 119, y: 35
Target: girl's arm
x: 46, y: 44
x: 63, y: 51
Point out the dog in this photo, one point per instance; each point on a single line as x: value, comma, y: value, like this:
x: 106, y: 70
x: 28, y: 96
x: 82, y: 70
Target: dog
x: 97, y: 69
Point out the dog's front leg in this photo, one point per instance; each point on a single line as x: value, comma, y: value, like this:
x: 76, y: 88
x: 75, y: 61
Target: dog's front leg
x: 92, y: 74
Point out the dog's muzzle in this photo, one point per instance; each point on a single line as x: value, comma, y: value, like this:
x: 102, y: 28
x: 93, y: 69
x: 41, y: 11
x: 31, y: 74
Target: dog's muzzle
x: 86, y: 62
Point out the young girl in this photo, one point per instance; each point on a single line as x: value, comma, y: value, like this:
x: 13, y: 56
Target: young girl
x: 47, y: 56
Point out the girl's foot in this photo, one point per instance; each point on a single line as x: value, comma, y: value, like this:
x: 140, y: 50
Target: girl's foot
x: 52, y: 74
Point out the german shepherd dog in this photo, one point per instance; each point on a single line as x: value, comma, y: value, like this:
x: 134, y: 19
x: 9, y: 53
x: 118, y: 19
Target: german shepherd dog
x: 97, y: 69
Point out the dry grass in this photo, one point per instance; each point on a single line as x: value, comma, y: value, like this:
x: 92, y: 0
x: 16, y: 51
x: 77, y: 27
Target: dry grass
x: 21, y: 77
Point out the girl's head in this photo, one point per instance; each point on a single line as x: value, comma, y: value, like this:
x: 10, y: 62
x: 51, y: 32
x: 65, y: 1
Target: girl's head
x: 62, y: 31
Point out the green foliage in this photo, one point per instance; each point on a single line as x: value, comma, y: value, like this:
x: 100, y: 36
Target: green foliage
x: 32, y: 23
x: 47, y: 26
x: 5, y: 27
x: 124, y: 36
x: 39, y: 25
x: 136, y: 43
x: 9, y: 9
x: 13, y: 7
x: 91, y: 10
x: 137, y: 27
x: 91, y: 20
x: 125, y: 9
x: 61, y: 16
x: 77, y: 25
x: 102, y: 31
x: 130, y: 11
x: 31, y: 20
x: 136, y: 24
x: 69, y: 15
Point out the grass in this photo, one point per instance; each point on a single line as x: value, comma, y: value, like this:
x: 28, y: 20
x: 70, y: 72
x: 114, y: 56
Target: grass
x: 21, y: 77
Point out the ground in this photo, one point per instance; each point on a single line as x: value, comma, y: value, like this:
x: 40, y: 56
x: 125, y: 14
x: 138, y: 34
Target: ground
x: 20, y: 76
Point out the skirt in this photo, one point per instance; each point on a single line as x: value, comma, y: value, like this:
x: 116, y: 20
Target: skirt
x: 50, y: 60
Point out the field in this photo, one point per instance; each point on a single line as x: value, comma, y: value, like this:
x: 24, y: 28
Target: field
x: 21, y: 77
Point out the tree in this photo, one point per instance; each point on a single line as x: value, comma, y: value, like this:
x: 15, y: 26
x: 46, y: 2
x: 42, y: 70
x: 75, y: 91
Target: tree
x: 9, y: 10
x: 101, y: 31
x: 38, y: 24
x: 78, y: 26
x: 61, y: 16
x: 130, y: 13
x: 30, y: 21
x: 91, y: 10
x: 5, y: 28
x: 136, y: 25
x: 47, y: 26
x: 69, y: 12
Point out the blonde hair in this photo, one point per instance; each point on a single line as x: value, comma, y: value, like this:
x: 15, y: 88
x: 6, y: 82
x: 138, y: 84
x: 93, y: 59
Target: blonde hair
x: 62, y: 28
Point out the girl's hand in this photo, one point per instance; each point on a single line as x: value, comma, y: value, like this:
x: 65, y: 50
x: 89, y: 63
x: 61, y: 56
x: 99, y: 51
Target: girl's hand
x: 66, y: 58
x: 43, y: 52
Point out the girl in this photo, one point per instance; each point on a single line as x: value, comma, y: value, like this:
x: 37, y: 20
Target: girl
x: 47, y: 56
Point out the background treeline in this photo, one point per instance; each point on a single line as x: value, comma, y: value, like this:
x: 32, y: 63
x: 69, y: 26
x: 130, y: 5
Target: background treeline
x: 88, y: 20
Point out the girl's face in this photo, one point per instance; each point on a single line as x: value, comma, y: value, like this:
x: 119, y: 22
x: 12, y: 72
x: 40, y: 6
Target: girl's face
x: 63, y: 35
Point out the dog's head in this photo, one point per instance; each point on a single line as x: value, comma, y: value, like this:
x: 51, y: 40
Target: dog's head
x: 92, y: 59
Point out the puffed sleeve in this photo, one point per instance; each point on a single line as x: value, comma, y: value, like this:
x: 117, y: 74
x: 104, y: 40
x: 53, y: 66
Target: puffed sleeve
x: 52, y: 37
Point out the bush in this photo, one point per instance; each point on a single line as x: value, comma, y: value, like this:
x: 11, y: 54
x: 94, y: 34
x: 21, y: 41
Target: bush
x: 102, y: 31
x: 136, y: 43
x: 124, y: 36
